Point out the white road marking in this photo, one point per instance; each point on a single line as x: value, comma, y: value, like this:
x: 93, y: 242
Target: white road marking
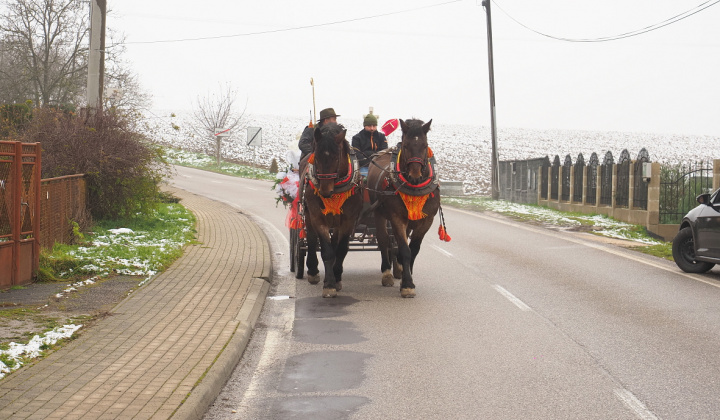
x: 509, y: 296
x: 442, y: 251
x: 635, y: 405
x: 589, y: 244
x: 217, y: 182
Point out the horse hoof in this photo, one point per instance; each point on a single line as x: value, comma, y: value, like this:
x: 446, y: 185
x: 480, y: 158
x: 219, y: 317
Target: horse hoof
x: 387, y: 279
x: 338, y: 286
x: 329, y: 293
x: 314, y: 279
x: 407, y: 293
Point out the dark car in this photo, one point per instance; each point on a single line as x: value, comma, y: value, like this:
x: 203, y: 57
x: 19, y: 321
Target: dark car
x: 696, y: 247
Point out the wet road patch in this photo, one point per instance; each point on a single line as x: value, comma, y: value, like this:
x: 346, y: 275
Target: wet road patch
x: 323, y: 371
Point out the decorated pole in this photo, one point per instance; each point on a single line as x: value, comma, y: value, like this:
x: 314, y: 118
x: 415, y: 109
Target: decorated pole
x: 312, y: 83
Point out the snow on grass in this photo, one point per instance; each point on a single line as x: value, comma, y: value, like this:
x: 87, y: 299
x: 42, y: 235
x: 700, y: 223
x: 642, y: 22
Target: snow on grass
x: 599, y: 224
x: 14, y: 357
x: 143, y: 250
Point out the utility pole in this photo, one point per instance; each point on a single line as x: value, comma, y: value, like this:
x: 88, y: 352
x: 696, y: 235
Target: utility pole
x: 96, y: 55
x: 494, y: 180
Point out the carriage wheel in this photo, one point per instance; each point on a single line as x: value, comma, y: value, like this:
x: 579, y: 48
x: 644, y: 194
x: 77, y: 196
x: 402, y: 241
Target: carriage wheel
x: 293, y: 244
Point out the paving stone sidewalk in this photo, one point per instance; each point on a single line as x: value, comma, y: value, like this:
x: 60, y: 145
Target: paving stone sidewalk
x: 166, y: 350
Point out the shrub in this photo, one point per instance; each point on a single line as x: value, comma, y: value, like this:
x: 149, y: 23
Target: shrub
x: 14, y: 118
x: 121, y: 169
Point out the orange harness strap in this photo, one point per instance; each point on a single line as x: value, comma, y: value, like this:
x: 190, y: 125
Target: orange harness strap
x: 414, y: 205
x: 333, y: 205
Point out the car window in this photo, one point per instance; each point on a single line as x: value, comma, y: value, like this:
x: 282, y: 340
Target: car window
x: 715, y: 198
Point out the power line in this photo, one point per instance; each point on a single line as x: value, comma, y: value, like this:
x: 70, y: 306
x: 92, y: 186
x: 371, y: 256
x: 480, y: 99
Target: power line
x: 666, y: 22
x: 296, y: 28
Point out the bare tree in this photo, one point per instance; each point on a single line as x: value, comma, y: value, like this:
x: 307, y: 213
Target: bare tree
x: 44, y: 51
x: 122, y: 88
x: 216, y: 110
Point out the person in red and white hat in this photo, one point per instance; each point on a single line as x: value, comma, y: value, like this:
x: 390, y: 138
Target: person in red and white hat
x: 368, y: 142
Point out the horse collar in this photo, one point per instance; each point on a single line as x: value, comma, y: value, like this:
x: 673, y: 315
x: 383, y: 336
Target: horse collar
x: 351, y: 180
x: 401, y: 184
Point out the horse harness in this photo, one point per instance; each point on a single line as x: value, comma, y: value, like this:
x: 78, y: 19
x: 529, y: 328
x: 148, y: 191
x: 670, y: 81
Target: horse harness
x: 396, y: 183
x: 350, y: 181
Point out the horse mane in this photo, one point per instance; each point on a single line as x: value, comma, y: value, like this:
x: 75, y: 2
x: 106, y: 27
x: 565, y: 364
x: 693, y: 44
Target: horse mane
x: 327, y: 139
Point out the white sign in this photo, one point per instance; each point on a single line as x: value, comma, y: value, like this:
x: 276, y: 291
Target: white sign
x: 254, y: 136
x: 222, y: 132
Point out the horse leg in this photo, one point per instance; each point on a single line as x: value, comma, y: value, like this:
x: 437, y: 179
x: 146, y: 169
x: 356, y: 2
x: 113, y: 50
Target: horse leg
x: 384, y: 245
x: 414, y: 250
x: 327, y: 252
x: 340, y: 254
x: 407, y: 288
x: 416, y: 239
x: 312, y: 259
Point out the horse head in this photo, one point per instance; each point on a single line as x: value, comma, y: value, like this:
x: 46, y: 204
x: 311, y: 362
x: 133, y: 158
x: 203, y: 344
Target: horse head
x: 414, y: 148
x: 331, y: 151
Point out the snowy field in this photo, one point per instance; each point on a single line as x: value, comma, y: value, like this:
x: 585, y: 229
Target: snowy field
x: 463, y: 152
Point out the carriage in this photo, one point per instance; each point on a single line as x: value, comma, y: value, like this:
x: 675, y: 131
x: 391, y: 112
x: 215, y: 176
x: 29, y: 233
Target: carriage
x: 333, y: 212
x: 364, y: 237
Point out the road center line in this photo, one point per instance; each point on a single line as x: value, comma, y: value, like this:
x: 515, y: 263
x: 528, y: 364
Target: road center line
x: 442, y: 251
x: 635, y: 405
x: 509, y: 296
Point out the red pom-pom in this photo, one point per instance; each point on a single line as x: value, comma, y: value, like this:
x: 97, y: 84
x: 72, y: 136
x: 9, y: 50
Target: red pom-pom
x: 447, y: 238
x: 441, y: 232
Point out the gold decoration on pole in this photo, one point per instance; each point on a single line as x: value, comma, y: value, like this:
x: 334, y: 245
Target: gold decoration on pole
x: 312, y: 83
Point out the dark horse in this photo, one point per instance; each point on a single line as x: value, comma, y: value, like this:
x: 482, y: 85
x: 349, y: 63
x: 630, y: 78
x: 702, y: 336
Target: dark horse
x: 403, y: 182
x: 332, y: 202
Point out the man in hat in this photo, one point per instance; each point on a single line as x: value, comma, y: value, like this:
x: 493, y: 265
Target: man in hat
x: 368, y: 142
x: 306, y: 139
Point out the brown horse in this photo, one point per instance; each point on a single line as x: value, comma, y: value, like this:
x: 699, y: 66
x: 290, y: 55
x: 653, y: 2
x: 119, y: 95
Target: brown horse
x: 332, y: 201
x: 403, y: 182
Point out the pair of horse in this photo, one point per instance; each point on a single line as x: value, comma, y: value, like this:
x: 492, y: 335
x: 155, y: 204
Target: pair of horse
x: 402, y: 182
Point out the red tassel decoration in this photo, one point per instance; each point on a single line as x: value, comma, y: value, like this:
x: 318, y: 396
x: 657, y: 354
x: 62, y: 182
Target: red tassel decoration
x: 441, y: 232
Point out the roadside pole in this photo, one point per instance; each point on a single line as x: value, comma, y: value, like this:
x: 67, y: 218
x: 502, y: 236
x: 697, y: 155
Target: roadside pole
x: 96, y: 55
x: 494, y: 180
x: 219, y: 134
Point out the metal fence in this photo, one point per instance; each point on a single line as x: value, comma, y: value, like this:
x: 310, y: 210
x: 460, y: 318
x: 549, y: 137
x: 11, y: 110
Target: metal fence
x: 62, y: 201
x: 679, y: 186
x: 640, y: 186
x: 622, y: 193
x: 606, y: 179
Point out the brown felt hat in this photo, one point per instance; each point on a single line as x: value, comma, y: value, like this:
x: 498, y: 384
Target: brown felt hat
x: 327, y: 113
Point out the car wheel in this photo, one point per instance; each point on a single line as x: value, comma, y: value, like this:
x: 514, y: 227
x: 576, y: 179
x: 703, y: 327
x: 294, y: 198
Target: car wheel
x: 683, y: 251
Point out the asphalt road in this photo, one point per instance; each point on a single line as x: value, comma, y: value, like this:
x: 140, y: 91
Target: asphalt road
x: 511, y: 321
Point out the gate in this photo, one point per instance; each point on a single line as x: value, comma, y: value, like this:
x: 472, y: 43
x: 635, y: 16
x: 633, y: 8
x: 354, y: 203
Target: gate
x: 679, y: 186
x: 19, y: 212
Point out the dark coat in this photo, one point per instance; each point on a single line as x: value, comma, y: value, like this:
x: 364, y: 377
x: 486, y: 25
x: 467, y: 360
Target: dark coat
x: 305, y: 144
x: 367, y: 146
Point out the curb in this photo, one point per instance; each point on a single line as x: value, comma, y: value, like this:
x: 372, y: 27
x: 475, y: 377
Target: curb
x: 205, y: 393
